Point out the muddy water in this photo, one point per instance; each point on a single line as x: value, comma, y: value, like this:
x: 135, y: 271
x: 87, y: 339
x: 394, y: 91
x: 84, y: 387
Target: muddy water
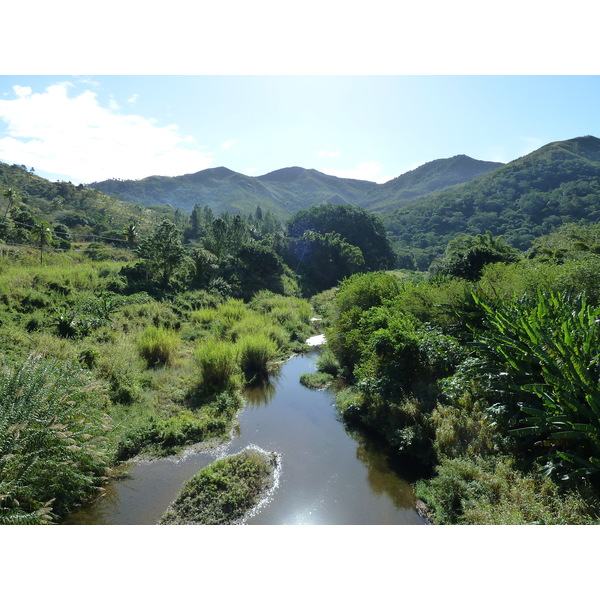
x: 328, y: 476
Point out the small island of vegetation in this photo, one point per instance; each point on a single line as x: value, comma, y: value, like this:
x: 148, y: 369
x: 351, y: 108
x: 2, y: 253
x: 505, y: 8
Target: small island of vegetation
x: 224, y: 492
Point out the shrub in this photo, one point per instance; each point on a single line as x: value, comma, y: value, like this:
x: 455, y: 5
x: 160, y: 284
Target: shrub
x: 256, y: 350
x: 158, y: 345
x: 326, y: 362
x: 204, y: 316
x: 491, y: 491
x: 547, y: 349
x: 219, y: 363
x: 52, y: 451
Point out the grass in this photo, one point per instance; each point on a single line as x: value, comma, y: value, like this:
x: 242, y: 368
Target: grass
x: 256, y: 350
x: 158, y: 346
x: 223, y: 492
x: 219, y: 363
x: 316, y: 381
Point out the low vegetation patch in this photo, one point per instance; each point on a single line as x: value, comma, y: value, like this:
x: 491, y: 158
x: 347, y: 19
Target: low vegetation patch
x: 316, y: 381
x: 225, y: 491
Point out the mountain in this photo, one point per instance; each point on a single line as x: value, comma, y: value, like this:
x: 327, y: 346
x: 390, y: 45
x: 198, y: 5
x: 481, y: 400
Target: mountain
x: 558, y: 183
x: 86, y: 212
x: 287, y: 191
x: 430, y: 178
x: 282, y: 192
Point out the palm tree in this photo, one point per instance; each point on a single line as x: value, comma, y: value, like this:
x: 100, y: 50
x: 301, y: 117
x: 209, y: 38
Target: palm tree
x: 11, y: 196
x: 41, y: 231
x: 130, y: 232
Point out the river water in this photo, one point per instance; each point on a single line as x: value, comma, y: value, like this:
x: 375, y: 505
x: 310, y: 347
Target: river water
x: 328, y: 474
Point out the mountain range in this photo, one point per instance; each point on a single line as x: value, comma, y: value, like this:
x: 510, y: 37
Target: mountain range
x: 286, y: 191
x: 422, y: 210
x: 529, y: 197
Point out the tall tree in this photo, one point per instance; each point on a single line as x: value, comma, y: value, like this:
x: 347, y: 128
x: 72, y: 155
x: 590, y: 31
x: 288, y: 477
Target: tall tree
x: 163, y: 253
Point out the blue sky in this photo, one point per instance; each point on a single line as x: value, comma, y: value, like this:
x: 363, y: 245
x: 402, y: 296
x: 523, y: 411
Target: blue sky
x: 90, y: 128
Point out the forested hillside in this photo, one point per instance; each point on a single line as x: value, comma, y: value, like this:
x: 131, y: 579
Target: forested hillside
x: 287, y: 191
x: 527, y: 198
x: 74, y: 213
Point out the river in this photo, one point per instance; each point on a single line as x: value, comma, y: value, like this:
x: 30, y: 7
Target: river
x: 328, y: 474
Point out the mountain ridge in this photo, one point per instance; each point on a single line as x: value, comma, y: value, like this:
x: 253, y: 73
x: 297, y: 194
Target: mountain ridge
x: 290, y: 189
x: 528, y: 197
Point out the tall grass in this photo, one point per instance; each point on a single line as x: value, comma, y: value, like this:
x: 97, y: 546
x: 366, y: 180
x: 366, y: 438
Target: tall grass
x: 219, y: 363
x: 256, y: 351
x: 52, y: 450
x: 158, y: 345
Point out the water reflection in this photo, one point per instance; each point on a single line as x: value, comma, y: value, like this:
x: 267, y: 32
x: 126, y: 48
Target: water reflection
x: 381, y: 477
x: 261, y: 392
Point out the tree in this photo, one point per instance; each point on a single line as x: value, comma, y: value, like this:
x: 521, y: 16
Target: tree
x: 162, y: 253
x: 131, y: 234
x: 12, y: 197
x: 322, y: 260
x: 41, y: 231
x: 355, y: 225
x: 466, y: 255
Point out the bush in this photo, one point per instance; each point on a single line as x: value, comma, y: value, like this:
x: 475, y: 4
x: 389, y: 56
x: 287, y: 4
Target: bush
x: 327, y: 363
x: 158, y: 345
x: 256, y: 351
x: 219, y: 363
x: 52, y: 449
x: 490, y: 491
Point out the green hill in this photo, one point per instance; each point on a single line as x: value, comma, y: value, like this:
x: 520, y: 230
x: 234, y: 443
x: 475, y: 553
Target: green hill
x: 426, y: 180
x: 287, y: 191
x: 524, y: 199
x: 84, y: 213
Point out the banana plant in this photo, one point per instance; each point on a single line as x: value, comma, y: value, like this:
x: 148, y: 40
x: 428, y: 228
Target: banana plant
x: 549, y: 349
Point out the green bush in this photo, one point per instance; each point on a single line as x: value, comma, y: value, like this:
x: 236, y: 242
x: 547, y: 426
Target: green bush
x: 547, y: 351
x: 256, y: 350
x: 219, y: 363
x: 52, y: 447
x: 327, y: 363
x: 491, y: 491
x: 158, y: 346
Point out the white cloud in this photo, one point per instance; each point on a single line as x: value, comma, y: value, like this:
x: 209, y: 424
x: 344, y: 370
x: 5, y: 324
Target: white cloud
x: 326, y: 154
x: 226, y: 145
x: 113, y: 104
x: 22, y: 91
x: 251, y: 170
x: 133, y: 99
x: 58, y: 134
x: 367, y: 171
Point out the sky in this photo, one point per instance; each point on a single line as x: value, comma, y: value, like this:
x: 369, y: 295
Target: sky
x: 90, y: 128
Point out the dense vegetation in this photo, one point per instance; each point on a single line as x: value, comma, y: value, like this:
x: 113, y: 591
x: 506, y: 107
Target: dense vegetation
x: 523, y: 200
x: 137, y: 344
x: 225, y: 491
x: 487, y: 383
x: 127, y: 330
